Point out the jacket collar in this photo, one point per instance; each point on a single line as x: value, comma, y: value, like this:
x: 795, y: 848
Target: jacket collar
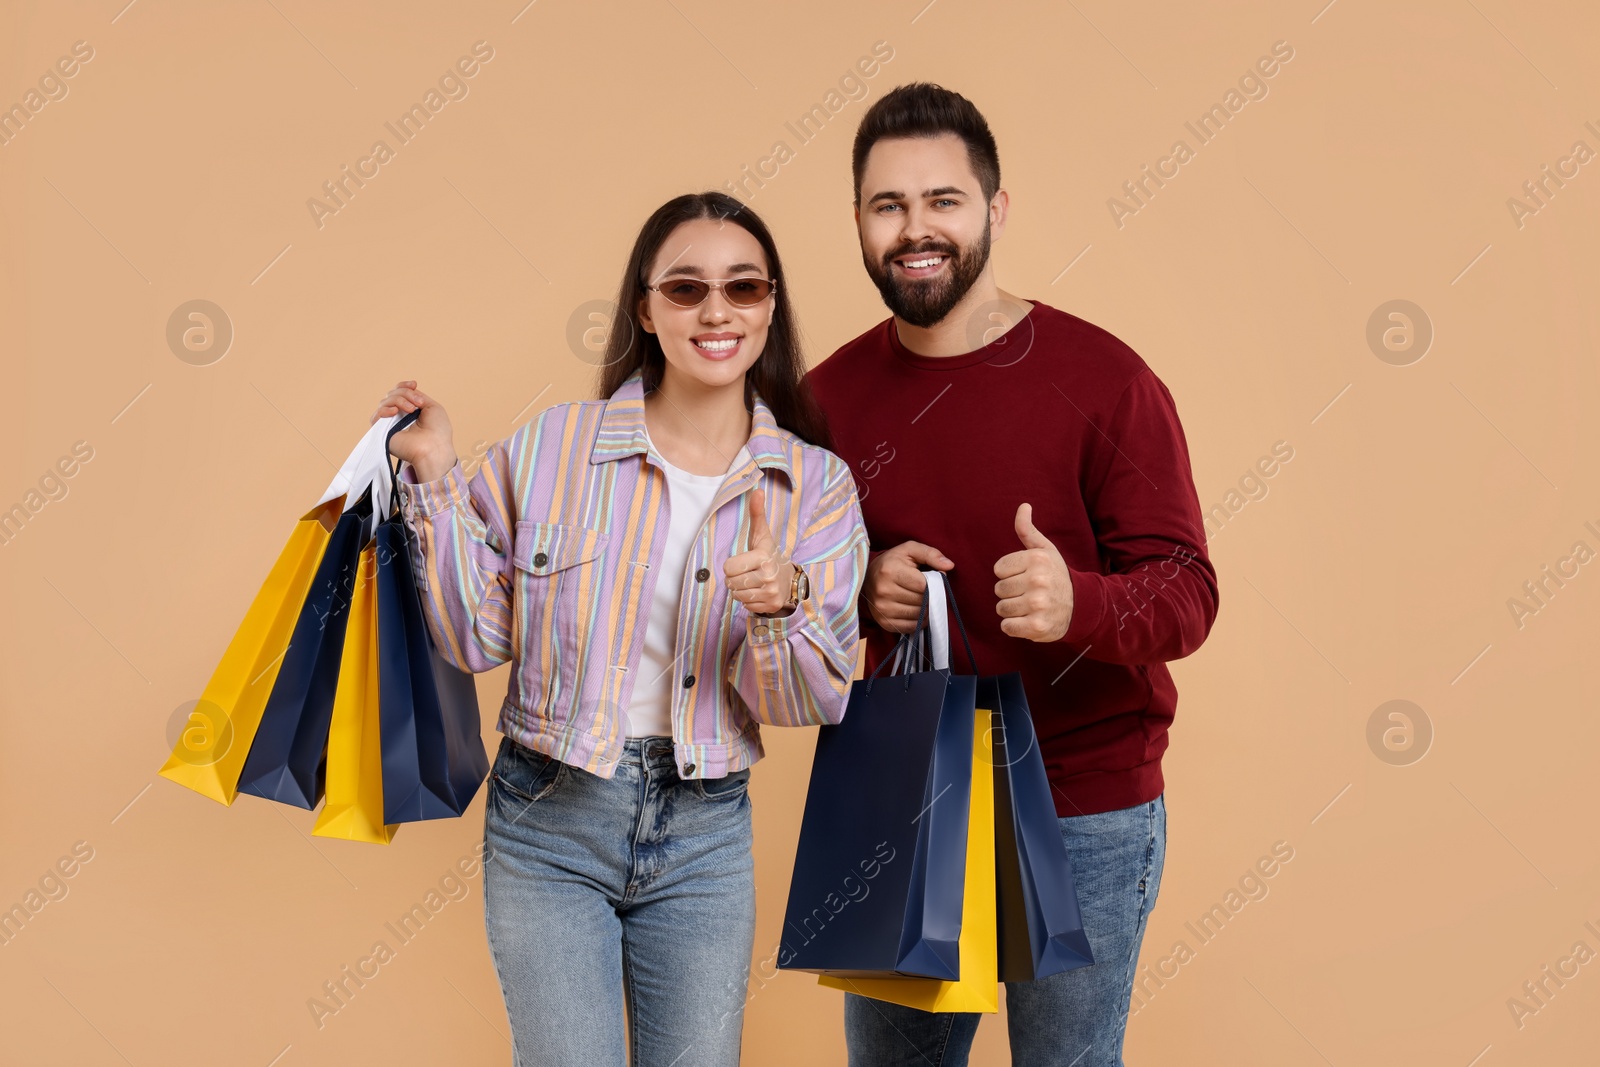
x: 622, y: 431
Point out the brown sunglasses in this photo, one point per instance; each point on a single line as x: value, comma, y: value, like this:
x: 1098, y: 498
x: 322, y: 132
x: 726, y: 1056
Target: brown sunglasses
x: 741, y: 292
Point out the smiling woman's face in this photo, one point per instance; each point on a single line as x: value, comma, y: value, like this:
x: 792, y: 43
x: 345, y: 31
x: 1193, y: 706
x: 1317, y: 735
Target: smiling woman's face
x: 715, y: 341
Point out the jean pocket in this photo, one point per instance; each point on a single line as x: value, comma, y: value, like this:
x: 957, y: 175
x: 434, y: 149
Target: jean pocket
x: 729, y: 787
x: 560, y: 569
x: 525, y: 773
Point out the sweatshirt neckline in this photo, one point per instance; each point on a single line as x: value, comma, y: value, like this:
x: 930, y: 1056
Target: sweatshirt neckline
x: 998, y: 349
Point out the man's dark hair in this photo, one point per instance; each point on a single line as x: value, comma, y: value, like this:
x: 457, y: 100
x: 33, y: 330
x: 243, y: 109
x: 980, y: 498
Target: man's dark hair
x: 922, y: 109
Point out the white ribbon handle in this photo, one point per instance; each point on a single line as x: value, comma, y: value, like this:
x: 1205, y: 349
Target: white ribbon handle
x: 367, y: 464
x: 909, y: 654
x: 938, y: 620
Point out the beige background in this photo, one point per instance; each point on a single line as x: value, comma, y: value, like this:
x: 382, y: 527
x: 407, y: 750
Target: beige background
x: 1377, y: 567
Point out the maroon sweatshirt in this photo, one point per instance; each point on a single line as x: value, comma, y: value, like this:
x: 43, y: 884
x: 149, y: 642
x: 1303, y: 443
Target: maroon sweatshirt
x: 1060, y: 414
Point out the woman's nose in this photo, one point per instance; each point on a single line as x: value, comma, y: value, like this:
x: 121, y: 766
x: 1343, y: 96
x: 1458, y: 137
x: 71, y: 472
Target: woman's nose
x: 715, y: 309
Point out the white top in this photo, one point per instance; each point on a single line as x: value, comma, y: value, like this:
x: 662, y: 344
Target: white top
x: 689, y: 498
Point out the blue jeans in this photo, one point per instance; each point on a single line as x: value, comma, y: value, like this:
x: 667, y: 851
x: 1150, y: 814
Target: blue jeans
x: 1073, y: 1019
x: 620, y: 911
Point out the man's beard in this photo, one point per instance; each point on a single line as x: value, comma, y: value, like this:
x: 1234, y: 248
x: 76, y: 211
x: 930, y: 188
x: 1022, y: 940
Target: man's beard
x: 925, y: 302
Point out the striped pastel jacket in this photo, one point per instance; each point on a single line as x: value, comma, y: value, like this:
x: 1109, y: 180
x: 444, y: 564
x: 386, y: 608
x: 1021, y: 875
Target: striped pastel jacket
x: 548, y: 558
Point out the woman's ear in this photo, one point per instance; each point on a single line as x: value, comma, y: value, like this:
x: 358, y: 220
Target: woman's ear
x: 644, y: 315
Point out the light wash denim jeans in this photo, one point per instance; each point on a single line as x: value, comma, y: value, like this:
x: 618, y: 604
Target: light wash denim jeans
x: 642, y: 883
x: 1073, y: 1019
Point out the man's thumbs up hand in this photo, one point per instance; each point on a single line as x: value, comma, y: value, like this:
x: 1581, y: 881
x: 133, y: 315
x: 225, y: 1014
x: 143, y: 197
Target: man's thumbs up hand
x: 1035, y: 589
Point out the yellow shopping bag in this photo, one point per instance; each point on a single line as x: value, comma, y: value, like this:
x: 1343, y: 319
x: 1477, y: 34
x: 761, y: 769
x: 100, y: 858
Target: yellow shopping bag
x: 979, y: 986
x: 211, y: 751
x: 354, y: 806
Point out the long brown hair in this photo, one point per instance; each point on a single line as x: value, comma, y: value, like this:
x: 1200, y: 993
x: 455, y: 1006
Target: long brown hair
x: 778, y: 374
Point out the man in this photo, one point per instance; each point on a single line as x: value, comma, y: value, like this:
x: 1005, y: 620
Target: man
x: 1040, y: 463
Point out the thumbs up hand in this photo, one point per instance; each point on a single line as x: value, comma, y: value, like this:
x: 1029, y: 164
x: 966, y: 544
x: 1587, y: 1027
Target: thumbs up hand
x: 757, y: 577
x: 1035, y: 590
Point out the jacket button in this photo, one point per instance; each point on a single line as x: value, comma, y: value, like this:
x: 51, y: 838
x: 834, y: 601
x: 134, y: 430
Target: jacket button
x: 701, y: 575
x: 688, y: 680
x: 688, y: 768
x: 761, y: 630
x: 540, y: 559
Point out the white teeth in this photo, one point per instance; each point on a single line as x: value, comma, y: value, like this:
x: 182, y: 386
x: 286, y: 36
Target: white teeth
x: 920, y: 263
x: 717, y: 346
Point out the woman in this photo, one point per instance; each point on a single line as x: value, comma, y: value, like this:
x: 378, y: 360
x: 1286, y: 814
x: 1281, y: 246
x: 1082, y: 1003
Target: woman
x: 667, y: 568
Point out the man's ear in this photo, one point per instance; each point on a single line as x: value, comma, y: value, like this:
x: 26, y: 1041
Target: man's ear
x: 999, y: 208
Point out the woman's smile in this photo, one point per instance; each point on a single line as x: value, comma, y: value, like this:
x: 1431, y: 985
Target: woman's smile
x: 717, y: 346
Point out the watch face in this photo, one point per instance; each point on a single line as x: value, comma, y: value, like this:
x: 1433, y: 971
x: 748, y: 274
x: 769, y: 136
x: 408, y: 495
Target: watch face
x: 804, y: 585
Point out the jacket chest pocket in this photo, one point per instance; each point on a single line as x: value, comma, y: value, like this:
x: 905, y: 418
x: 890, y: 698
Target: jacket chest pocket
x: 561, y: 632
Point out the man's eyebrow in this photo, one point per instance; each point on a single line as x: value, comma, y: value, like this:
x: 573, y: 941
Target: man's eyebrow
x: 895, y: 194
x: 696, y: 272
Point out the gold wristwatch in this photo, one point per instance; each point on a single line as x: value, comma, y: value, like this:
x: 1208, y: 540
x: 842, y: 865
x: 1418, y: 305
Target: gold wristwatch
x: 799, y: 589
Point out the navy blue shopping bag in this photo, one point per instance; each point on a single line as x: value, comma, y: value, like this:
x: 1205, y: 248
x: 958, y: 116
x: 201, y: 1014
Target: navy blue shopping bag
x: 287, y: 758
x: 881, y: 864
x: 433, y: 754
x: 1041, y: 930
